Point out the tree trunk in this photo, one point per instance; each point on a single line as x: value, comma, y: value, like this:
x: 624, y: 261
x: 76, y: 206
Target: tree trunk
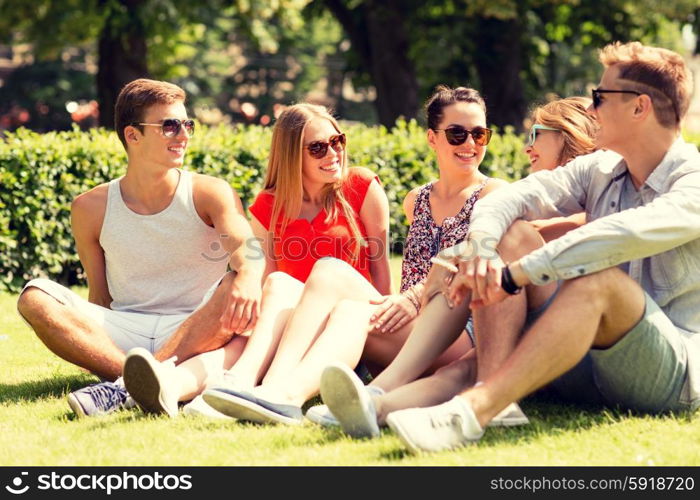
x: 498, y: 63
x: 121, y: 56
x: 377, y: 32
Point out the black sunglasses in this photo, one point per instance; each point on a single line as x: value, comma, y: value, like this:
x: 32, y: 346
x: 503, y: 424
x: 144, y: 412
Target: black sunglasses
x: 457, y: 135
x: 319, y: 149
x: 596, y: 94
x: 171, y: 126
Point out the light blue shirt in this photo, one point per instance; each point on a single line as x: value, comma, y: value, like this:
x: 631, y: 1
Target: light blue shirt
x: 659, y: 238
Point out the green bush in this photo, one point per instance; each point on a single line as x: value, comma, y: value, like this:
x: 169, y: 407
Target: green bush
x: 40, y: 174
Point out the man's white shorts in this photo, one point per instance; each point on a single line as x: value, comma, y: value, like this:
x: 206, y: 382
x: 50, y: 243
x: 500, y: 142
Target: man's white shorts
x: 126, y: 329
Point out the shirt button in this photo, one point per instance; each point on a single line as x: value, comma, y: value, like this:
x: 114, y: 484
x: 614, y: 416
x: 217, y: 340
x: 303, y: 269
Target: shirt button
x: 612, y: 204
x: 545, y: 277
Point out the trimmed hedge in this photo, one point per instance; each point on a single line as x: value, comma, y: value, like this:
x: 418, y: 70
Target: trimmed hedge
x: 40, y: 174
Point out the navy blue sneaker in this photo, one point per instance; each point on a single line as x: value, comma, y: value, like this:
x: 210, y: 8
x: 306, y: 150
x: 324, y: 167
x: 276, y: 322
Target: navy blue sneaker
x: 97, y: 399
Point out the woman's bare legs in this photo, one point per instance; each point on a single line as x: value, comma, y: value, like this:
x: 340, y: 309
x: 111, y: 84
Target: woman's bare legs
x: 435, y: 329
x: 281, y: 294
x: 331, y: 281
x: 429, y: 391
x: 341, y: 341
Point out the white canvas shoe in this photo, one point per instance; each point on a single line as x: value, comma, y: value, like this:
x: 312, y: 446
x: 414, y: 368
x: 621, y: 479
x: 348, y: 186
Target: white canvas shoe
x: 150, y: 382
x: 436, y: 428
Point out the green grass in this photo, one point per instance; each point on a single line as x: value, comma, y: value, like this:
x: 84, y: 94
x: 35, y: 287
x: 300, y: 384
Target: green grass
x: 37, y: 428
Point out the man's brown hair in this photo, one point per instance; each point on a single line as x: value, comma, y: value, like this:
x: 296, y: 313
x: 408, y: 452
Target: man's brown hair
x: 660, y: 73
x: 139, y: 95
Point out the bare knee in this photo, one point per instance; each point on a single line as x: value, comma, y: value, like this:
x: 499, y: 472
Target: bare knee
x: 328, y: 272
x: 278, y: 282
x: 597, y: 286
x: 461, y: 372
x: 520, y: 239
x: 29, y: 301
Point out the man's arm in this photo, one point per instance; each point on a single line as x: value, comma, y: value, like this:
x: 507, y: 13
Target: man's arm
x: 668, y: 221
x: 87, y: 215
x: 542, y: 195
x: 218, y: 203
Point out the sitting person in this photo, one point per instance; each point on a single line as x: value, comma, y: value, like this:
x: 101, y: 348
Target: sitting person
x: 623, y: 329
x: 561, y: 130
x: 177, y: 306
x: 318, y: 219
x: 375, y: 330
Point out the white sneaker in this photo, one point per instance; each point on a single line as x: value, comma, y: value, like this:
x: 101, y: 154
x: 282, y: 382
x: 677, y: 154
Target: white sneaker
x: 437, y: 428
x: 348, y: 400
x: 199, y: 407
x: 321, y: 415
x: 149, y: 382
x: 510, y: 416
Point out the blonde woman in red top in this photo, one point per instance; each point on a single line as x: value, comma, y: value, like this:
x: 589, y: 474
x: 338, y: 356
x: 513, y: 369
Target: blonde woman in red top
x: 318, y: 219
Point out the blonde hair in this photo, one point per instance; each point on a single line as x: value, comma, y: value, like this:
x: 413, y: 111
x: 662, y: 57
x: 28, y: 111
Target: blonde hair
x: 660, y: 73
x: 284, y: 172
x: 570, y: 116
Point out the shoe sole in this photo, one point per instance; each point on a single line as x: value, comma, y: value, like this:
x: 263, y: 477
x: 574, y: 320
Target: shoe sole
x: 76, y: 406
x: 194, y: 411
x: 142, y: 384
x: 510, y: 421
x: 348, y: 401
x: 242, y: 409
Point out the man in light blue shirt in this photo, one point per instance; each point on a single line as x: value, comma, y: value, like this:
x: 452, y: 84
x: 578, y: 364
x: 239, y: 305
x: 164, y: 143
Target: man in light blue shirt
x: 624, y: 327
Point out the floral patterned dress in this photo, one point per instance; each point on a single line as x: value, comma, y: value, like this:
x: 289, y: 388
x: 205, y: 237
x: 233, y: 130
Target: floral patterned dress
x: 425, y: 238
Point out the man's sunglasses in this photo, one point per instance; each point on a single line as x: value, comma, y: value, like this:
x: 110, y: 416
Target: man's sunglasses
x: 319, y: 149
x: 533, y: 133
x: 457, y: 135
x: 597, y: 99
x: 171, y: 126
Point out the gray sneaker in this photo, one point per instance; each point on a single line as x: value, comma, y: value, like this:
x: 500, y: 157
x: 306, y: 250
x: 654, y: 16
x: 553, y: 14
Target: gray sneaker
x: 149, y: 382
x: 321, y: 415
x: 346, y: 397
x: 437, y: 428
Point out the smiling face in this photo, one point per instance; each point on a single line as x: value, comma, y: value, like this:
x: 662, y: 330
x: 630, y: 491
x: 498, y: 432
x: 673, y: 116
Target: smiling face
x: 613, y: 113
x: 327, y: 169
x: 152, y: 146
x: 546, y: 151
x: 467, y: 156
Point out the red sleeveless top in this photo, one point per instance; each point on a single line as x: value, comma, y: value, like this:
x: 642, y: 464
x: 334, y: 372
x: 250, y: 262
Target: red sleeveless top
x: 304, y: 242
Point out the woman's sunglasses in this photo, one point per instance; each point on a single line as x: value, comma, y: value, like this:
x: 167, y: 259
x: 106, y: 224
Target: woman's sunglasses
x: 457, y: 135
x: 319, y: 149
x: 533, y: 133
x: 171, y: 126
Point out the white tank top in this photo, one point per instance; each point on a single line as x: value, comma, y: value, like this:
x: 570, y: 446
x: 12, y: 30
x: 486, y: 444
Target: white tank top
x: 162, y: 263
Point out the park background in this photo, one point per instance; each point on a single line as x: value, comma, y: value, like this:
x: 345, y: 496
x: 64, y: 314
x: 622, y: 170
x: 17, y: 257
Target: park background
x: 62, y: 63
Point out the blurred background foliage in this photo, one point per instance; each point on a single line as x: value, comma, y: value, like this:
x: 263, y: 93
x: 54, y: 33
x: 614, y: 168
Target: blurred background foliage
x: 372, y: 60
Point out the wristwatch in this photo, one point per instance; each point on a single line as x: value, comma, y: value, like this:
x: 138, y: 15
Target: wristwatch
x: 508, y: 284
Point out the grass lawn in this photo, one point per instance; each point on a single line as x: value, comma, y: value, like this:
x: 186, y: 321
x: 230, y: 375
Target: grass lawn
x: 37, y: 428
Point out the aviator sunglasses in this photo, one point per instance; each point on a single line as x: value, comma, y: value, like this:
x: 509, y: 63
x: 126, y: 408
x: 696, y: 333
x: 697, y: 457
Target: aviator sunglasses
x: 319, y: 149
x: 457, y: 135
x: 532, y: 137
x: 172, y: 126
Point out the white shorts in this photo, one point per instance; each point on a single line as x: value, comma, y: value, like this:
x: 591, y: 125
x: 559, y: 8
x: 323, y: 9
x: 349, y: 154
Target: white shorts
x: 126, y: 329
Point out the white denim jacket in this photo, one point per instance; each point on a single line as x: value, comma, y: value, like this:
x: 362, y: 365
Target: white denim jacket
x: 660, y: 238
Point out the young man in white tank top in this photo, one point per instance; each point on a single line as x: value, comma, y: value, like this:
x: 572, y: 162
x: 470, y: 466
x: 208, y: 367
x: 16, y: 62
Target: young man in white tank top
x: 153, y: 245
